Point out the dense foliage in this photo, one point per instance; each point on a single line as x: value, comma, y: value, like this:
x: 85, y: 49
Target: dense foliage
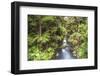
x: 46, y: 33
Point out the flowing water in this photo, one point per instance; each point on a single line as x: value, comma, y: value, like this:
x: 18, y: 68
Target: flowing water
x: 65, y: 53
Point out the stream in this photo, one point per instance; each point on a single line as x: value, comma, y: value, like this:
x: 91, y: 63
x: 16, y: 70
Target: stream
x: 65, y: 53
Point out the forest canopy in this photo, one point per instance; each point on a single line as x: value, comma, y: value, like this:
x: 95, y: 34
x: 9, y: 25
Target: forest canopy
x: 46, y: 35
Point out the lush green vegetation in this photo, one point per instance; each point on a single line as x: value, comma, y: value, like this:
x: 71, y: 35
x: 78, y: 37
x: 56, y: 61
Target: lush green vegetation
x: 46, y: 33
